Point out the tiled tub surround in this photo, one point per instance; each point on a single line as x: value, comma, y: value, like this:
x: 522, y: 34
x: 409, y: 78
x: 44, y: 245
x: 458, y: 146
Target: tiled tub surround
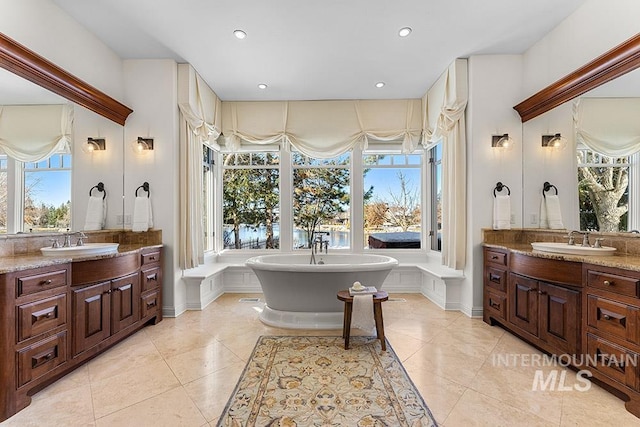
x: 586, y: 306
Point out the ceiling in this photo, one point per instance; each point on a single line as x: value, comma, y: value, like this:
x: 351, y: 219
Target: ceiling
x: 308, y: 50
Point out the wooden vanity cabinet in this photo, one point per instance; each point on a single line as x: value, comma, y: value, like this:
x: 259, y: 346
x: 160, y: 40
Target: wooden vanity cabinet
x: 34, y: 307
x: 569, y: 307
x: 537, y: 299
x: 60, y: 316
x: 612, y: 329
x: 495, y: 285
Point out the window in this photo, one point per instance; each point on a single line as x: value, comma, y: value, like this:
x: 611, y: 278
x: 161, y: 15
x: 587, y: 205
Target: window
x: 435, y: 166
x: 251, y: 200
x: 392, y: 200
x: 282, y: 199
x: 208, y: 225
x: 46, y: 194
x: 603, y: 191
x: 321, y: 196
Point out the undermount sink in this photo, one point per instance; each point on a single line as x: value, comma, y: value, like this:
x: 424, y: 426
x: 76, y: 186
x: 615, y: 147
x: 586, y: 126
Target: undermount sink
x: 86, y: 249
x: 563, y: 248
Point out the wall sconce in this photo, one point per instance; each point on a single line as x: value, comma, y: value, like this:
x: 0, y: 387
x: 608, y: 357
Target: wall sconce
x: 554, y: 141
x: 143, y: 144
x: 504, y: 141
x: 95, y: 144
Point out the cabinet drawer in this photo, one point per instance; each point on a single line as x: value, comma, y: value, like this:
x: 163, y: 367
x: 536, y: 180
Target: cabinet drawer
x: 496, y: 304
x: 619, y: 284
x: 496, y: 257
x: 614, y: 318
x: 151, y: 278
x: 150, y: 304
x: 150, y: 257
x: 495, y: 278
x: 616, y: 362
x: 40, y: 282
x: 41, y: 316
x: 36, y: 360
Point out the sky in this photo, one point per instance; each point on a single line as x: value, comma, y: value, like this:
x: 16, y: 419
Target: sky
x: 54, y: 187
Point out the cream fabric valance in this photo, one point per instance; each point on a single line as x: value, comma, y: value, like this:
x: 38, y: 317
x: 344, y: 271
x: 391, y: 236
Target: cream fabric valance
x: 30, y: 133
x: 200, y: 106
x: 322, y: 129
x: 610, y: 126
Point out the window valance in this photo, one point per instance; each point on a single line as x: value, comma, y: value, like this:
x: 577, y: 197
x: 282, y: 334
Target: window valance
x: 609, y: 126
x: 322, y: 129
x: 30, y: 133
x: 200, y: 106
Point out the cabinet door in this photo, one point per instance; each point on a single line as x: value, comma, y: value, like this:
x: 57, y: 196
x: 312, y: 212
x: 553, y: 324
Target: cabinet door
x: 91, y: 314
x: 125, y: 302
x: 523, y: 303
x: 559, y: 312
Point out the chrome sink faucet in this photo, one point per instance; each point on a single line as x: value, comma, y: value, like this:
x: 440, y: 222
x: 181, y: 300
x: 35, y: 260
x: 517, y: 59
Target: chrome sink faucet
x: 585, y: 238
x: 67, y: 238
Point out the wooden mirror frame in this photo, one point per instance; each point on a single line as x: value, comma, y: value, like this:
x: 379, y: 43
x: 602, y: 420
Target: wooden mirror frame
x: 27, y: 64
x: 618, y: 61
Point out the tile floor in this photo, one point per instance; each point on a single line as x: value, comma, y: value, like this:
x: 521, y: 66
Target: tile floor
x: 182, y: 371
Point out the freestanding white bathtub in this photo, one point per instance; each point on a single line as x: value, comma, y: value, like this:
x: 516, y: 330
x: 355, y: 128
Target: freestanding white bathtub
x: 300, y: 295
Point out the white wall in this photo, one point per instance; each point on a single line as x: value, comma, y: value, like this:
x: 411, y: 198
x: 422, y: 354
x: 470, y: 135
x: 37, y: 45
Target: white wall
x: 495, y: 86
x: 44, y: 28
x: 151, y: 91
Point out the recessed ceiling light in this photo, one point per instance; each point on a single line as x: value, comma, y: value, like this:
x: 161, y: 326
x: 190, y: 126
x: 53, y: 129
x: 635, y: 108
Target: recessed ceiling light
x: 404, y: 32
x: 262, y: 86
x: 380, y: 84
x: 239, y: 34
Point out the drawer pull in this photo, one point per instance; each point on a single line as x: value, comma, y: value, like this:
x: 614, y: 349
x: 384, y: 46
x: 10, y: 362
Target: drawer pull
x: 541, y: 292
x: 607, y: 283
x: 611, y: 362
x: 494, y: 304
x: 494, y: 257
x: 494, y: 278
x: 46, y: 282
x: 151, y: 304
x: 152, y: 258
x: 606, y: 317
x: 152, y: 277
x: 42, y: 358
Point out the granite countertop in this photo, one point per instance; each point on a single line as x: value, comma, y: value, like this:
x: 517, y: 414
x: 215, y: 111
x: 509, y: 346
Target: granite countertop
x: 623, y: 261
x: 35, y: 260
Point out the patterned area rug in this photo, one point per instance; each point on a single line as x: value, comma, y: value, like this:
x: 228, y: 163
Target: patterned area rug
x: 313, y: 381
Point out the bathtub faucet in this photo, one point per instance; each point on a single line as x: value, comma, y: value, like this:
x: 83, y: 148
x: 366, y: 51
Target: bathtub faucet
x: 319, y: 241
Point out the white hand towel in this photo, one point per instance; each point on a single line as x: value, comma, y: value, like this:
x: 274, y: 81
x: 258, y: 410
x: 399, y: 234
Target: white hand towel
x: 554, y: 216
x: 502, y: 212
x: 96, y: 210
x: 362, y: 313
x: 544, y: 221
x: 142, y: 216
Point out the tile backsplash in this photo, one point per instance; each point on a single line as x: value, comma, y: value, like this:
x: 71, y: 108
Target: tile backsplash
x: 25, y: 244
x: 625, y: 243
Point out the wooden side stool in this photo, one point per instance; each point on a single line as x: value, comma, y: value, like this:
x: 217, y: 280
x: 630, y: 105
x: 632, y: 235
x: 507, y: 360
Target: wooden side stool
x: 378, y: 298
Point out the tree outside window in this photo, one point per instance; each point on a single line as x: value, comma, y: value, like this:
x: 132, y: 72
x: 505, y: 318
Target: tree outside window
x: 251, y: 200
x: 321, y: 199
x: 603, y: 190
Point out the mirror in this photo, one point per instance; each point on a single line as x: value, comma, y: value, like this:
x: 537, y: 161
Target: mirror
x: 27, y: 78
x: 612, y: 75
